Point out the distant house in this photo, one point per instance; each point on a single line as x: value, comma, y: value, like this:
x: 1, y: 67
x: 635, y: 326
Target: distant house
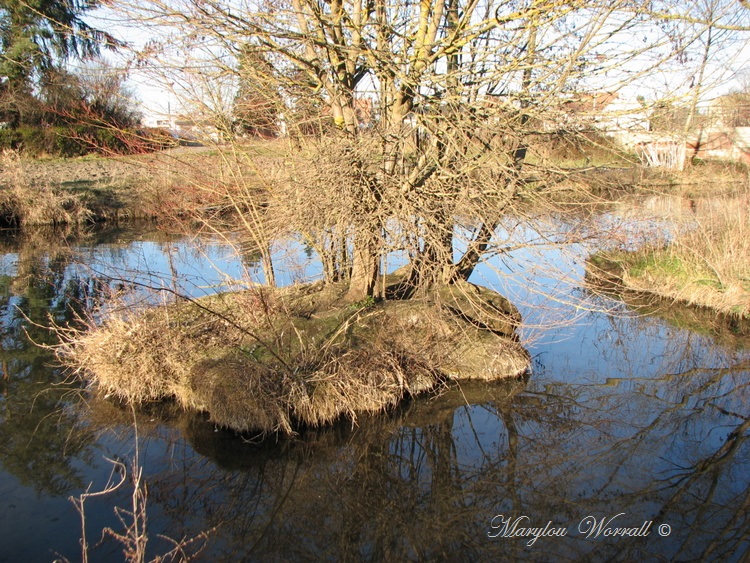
x: 158, y: 120
x: 588, y: 105
x: 363, y: 111
x: 728, y: 144
x: 184, y: 128
x: 606, y: 112
x: 741, y: 140
x: 630, y: 123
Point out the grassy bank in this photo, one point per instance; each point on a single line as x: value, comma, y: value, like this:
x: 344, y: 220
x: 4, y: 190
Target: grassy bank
x: 705, y: 262
x: 272, y: 360
x: 185, y: 182
x: 68, y: 191
x: 704, y: 178
x: 94, y: 189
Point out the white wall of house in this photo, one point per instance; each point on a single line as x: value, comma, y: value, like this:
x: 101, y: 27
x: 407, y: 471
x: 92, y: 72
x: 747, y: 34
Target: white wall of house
x: 742, y: 138
x: 160, y: 120
x: 623, y: 117
x: 183, y: 127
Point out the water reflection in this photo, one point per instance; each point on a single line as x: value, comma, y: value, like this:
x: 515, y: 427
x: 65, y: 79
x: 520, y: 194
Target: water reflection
x: 661, y: 436
x: 39, y: 434
x: 47, y: 449
x: 628, y: 414
x: 425, y: 481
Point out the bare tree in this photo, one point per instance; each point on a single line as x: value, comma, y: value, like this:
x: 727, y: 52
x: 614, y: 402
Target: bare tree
x: 458, y: 91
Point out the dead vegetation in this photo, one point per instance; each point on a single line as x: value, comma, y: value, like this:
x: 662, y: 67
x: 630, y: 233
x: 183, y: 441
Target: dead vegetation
x: 703, y: 262
x: 27, y: 204
x: 270, y: 361
x: 133, y: 536
x: 164, y: 185
x: 705, y: 178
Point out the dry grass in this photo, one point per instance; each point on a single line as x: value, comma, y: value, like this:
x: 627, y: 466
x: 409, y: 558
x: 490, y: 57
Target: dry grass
x: 705, y: 179
x: 317, y: 360
x: 25, y: 203
x: 140, y: 356
x: 160, y: 185
x: 706, y: 262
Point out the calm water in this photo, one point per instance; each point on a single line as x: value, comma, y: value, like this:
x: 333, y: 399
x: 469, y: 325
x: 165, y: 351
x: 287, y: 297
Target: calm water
x: 627, y: 422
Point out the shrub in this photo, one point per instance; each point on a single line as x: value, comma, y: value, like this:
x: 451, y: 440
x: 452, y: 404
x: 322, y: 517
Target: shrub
x: 10, y: 139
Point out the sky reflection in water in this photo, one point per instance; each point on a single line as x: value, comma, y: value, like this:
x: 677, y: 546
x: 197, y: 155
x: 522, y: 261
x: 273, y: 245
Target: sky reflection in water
x: 622, y: 414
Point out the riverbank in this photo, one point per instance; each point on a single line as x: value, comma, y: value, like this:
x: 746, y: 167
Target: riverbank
x: 704, y: 260
x: 189, y: 181
x: 708, y: 178
x: 72, y: 191
x: 163, y: 185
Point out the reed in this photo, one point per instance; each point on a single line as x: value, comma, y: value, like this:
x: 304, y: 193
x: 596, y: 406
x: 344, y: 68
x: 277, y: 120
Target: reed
x: 705, y: 262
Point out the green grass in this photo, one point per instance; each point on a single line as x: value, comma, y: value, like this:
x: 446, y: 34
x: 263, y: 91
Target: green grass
x: 663, y: 264
x: 660, y: 262
x: 706, y: 263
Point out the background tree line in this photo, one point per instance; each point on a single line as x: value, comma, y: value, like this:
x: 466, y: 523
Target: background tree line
x: 45, y: 109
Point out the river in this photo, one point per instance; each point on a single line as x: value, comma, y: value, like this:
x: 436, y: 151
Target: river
x: 628, y: 439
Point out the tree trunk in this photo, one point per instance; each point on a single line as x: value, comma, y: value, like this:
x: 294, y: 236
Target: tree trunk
x: 433, y: 266
x: 365, y: 267
x: 268, y: 272
x: 471, y: 258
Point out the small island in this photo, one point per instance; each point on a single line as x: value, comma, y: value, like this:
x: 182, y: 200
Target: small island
x: 274, y: 360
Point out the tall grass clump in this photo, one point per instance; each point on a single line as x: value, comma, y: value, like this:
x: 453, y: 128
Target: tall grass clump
x: 271, y: 360
x: 706, y: 262
x: 23, y: 202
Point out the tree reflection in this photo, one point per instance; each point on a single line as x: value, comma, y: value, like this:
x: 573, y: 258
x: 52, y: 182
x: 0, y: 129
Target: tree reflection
x: 660, y: 436
x: 40, y: 431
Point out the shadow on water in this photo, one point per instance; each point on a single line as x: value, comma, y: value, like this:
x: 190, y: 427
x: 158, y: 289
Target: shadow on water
x: 627, y: 420
x: 426, y: 480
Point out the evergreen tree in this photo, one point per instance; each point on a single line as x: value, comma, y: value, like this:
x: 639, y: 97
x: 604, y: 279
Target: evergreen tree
x: 37, y: 36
